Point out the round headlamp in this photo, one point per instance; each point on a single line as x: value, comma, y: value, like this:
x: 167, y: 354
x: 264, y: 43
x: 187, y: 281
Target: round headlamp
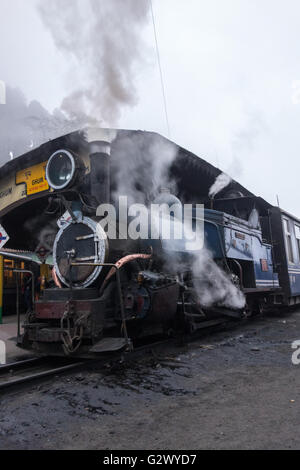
x: 60, y: 169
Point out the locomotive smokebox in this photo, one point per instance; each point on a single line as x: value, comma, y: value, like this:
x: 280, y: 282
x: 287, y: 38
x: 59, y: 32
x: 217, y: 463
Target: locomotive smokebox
x: 100, y: 171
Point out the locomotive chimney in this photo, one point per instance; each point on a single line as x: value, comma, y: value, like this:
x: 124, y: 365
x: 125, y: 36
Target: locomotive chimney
x: 100, y: 171
x: 99, y: 141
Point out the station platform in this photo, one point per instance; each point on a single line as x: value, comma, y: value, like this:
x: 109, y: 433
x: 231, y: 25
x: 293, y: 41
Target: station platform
x: 8, y: 334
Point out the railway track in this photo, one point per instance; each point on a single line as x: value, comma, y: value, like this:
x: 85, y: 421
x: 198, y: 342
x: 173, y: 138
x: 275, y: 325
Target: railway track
x: 30, y: 370
x: 38, y: 368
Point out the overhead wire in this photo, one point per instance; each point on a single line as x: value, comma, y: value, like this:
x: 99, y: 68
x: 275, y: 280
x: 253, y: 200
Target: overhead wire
x: 160, y: 70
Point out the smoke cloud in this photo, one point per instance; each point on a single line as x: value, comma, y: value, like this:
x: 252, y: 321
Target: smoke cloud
x: 102, y: 41
x: 24, y: 126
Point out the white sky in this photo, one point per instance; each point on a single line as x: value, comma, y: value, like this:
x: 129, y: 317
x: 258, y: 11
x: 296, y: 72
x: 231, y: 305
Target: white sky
x: 229, y: 67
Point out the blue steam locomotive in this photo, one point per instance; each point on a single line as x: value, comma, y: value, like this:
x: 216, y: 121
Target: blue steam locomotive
x: 105, y: 291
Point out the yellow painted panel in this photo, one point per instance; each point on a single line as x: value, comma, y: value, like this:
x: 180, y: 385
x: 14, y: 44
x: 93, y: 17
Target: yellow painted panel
x: 34, y: 177
x: 10, y: 193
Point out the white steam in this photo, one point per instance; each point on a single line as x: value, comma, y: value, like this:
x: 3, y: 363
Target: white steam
x: 220, y: 183
x: 212, y: 285
x: 143, y: 165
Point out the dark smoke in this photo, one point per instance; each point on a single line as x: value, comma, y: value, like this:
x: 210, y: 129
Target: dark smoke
x: 102, y: 41
x: 25, y: 126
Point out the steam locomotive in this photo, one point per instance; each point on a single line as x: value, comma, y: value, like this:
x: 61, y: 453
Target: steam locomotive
x: 106, y: 291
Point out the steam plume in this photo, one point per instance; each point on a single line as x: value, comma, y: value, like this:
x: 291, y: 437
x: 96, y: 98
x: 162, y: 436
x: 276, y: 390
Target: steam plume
x: 24, y: 126
x: 212, y: 284
x: 103, y: 38
x: 221, y: 182
x: 143, y: 166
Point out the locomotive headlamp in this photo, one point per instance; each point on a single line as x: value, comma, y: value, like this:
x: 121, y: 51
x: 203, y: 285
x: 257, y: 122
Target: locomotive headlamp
x: 60, y: 169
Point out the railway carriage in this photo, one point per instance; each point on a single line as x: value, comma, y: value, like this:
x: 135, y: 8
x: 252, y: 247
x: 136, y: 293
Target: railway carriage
x: 286, y: 248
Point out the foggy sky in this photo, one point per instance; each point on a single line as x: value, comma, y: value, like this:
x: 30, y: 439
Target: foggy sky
x: 229, y: 69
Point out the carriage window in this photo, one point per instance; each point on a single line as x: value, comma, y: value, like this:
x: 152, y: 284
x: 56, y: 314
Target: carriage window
x: 297, y: 233
x: 288, y: 236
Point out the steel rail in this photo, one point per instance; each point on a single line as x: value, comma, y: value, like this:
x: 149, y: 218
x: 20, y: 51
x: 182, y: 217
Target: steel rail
x: 32, y: 376
x: 124, y: 355
x: 18, y: 364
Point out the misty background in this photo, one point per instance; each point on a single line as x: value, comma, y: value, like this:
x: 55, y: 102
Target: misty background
x: 231, y: 74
